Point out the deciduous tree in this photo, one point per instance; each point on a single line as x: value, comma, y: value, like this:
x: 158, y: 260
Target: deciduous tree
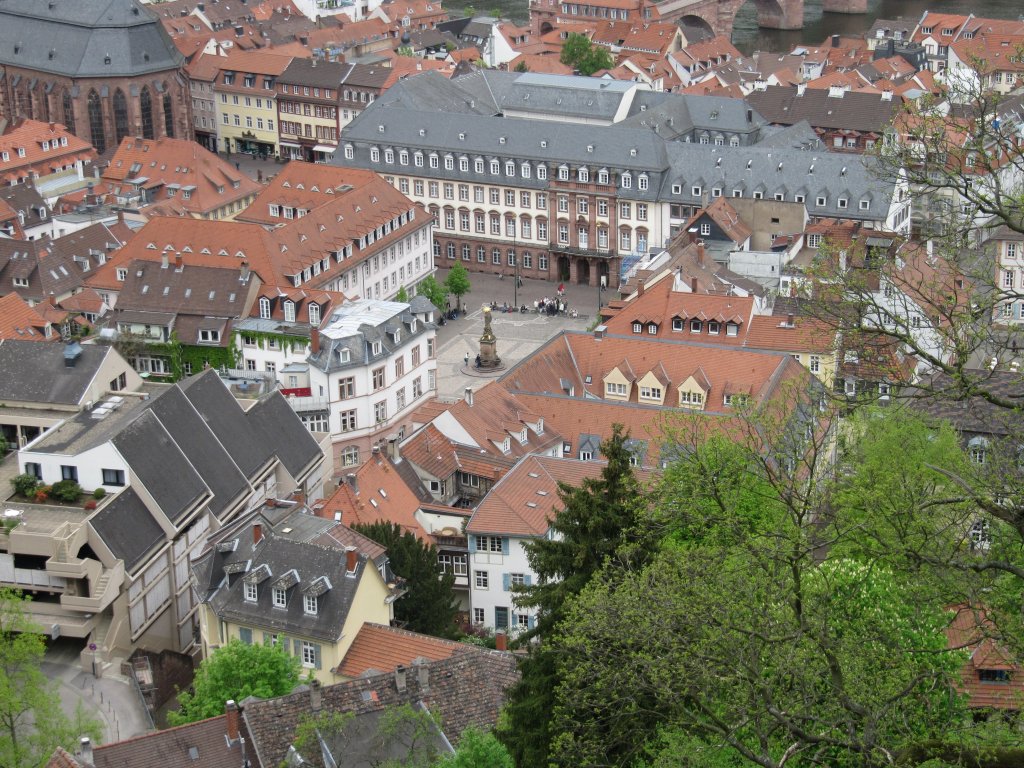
x: 583, y: 56
x: 457, y: 283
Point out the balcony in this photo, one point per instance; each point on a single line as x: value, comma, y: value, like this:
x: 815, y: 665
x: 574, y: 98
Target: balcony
x: 598, y: 253
x: 308, y: 404
x: 103, y: 591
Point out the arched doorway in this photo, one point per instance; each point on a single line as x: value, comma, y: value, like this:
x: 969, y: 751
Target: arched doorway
x: 563, y: 268
x: 583, y: 271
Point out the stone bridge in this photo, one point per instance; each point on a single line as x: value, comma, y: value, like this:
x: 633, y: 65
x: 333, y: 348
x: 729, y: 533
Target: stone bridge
x: 717, y: 16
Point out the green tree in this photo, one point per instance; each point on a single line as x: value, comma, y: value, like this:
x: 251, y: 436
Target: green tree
x: 599, y: 521
x: 405, y: 50
x: 457, y: 283
x: 429, y: 604
x: 477, y: 749
x: 522, y: 66
x: 235, y: 671
x: 583, y: 56
x: 32, y: 723
x: 402, y: 295
x: 434, y: 291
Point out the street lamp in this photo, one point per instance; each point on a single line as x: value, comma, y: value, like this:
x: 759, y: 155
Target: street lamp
x: 515, y: 264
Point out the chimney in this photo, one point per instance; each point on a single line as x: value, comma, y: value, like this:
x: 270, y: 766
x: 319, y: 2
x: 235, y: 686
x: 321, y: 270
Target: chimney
x: 179, y: 262
x: 700, y: 252
x: 315, y: 696
x: 314, y: 340
x: 790, y: 320
x: 750, y: 115
x: 85, y: 750
x: 640, y: 287
x: 394, y: 451
x: 400, y: 678
x: 72, y: 351
x: 353, y: 482
x: 231, y: 713
x: 423, y: 675
x: 120, y: 215
x: 243, y: 273
x: 257, y: 533
x: 599, y: 332
x: 835, y: 41
x: 469, y: 396
x: 164, y: 260
x: 500, y: 641
x: 351, y: 561
x: 694, y: 285
x: 801, y: 89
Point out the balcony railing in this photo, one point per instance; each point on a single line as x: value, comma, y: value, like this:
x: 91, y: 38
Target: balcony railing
x: 307, y: 404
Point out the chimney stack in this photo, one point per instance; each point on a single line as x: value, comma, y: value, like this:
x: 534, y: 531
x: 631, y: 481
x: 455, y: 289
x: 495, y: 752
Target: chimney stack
x: 353, y: 482
x: 164, y: 260
x: 400, y: 678
x: 790, y: 320
x: 835, y: 41
x: 694, y: 285
x: 314, y: 340
x: 500, y: 641
x: 700, y: 252
x: 231, y: 713
x: 85, y: 749
x: 394, y: 451
x: 179, y: 262
x: 257, y: 533
x: 315, y: 696
x: 599, y: 331
x: 640, y: 287
x: 351, y: 561
x: 243, y: 274
x: 120, y: 215
x: 469, y: 396
x: 423, y: 675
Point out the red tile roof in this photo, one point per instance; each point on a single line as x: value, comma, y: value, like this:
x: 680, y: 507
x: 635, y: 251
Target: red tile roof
x: 807, y: 334
x: 525, y: 501
x: 377, y: 648
x: 171, y: 748
x: 303, y: 185
x: 20, y: 321
x: 23, y: 142
x: 973, y: 630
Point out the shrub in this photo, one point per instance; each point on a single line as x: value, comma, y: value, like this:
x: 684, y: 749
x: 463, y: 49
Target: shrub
x: 66, y: 490
x: 42, y: 493
x: 25, y: 485
x: 99, y: 493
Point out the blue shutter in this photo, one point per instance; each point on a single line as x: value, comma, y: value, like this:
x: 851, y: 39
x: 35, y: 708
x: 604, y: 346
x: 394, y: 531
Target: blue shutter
x: 506, y: 581
x: 528, y: 580
x: 472, y: 543
x: 531, y: 621
x: 316, y: 655
x: 245, y: 635
x: 504, y: 545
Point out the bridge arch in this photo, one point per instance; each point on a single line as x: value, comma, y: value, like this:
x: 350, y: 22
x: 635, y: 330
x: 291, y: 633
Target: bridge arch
x: 719, y: 15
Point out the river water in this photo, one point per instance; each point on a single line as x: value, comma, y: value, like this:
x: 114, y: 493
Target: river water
x: 818, y: 25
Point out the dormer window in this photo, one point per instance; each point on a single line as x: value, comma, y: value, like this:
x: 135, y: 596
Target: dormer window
x: 314, y: 314
x: 251, y: 592
x: 375, y: 348
x: 280, y: 597
x: 638, y: 327
x: 289, y: 311
x: 522, y: 437
x: 309, y: 605
x: 265, y: 308
x: 506, y: 445
x: 713, y: 327
x: 696, y: 326
x: 398, y: 337
x: 652, y: 329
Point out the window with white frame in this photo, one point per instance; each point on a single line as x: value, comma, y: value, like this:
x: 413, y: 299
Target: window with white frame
x: 279, y: 597
x: 481, y: 580
x: 308, y: 654
x: 309, y: 605
x: 251, y: 592
x: 489, y: 544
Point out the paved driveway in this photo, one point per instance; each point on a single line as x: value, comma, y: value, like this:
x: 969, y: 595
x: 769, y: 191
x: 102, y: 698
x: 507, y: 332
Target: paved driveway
x: 111, y: 699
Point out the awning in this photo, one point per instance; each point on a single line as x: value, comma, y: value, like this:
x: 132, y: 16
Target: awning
x: 289, y: 144
x: 324, y: 148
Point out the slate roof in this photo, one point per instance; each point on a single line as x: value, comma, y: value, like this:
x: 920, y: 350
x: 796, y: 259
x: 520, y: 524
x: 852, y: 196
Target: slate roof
x: 246, y: 445
x: 972, y: 414
x: 214, y: 465
x: 159, y: 463
x: 275, y: 420
x: 467, y: 689
x: 355, y: 325
x: 82, y: 34
x: 202, y: 743
x: 35, y: 373
x: 314, y: 72
x: 299, y: 564
x: 126, y: 526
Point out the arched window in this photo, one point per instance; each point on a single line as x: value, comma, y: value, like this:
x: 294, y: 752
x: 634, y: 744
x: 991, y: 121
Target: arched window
x: 146, y: 112
x: 168, y: 114
x: 264, y: 308
x: 99, y: 139
x: 69, y: 112
x: 120, y: 115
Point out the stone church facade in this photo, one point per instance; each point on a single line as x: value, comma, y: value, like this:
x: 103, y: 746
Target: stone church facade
x: 104, y: 68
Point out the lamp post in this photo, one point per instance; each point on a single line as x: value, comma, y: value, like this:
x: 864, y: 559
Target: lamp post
x: 515, y: 264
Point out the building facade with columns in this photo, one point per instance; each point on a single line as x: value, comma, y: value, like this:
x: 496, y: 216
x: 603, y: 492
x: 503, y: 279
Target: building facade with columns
x: 104, y: 68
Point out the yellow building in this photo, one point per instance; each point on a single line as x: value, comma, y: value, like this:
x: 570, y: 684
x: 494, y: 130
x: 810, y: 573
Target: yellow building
x: 245, y: 93
x: 293, y: 579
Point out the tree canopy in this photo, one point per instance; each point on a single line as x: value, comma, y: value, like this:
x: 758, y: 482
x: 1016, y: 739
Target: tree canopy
x: 583, y: 56
x: 434, y: 291
x: 32, y: 723
x: 236, y: 671
x: 429, y: 604
x: 457, y: 283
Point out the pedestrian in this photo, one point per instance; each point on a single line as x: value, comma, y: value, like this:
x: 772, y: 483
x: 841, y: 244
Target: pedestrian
x: 238, y: 166
x: 467, y: 358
